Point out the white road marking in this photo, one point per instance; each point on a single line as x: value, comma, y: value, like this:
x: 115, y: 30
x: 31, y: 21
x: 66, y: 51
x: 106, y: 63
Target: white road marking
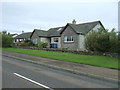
x: 33, y: 81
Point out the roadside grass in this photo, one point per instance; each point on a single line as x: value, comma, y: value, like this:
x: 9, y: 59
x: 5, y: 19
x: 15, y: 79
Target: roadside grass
x: 101, y: 61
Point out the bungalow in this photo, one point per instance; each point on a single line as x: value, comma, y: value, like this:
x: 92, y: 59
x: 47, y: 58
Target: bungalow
x: 52, y: 36
x: 70, y: 36
x: 22, y: 37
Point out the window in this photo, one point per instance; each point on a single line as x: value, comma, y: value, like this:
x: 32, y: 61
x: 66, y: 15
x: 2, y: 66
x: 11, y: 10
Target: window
x: 55, y: 39
x: 68, y: 39
x: 35, y: 41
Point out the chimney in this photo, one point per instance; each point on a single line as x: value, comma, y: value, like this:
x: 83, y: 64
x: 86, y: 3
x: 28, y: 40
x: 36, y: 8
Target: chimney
x: 73, y: 22
x: 8, y: 33
x: 22, y: 31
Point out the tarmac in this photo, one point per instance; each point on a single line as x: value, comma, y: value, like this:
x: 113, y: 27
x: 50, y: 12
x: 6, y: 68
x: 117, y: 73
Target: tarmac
x: 110, y: 75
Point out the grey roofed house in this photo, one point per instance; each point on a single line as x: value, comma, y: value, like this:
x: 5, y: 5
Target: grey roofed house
x: 70, y: 36
x: 52, y: 32
x: 39, y: 33
x: 83, y: 28
x: 23, y: 35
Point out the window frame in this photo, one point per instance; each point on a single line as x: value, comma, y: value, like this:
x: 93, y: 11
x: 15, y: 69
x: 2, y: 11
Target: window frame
x: 68, y: 39
x: 56, y: 40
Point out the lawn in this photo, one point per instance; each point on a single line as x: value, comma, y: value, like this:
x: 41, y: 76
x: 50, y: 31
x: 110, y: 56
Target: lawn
x: 101, y: 61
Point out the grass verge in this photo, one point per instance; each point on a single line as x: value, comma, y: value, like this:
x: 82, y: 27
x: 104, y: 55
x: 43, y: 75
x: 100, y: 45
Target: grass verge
x: 101, y: 61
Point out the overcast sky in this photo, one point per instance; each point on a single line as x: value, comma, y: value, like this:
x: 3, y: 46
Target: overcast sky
x: 26, y: 16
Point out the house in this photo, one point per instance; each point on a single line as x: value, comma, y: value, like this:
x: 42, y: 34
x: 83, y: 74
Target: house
x: 39, y: 36
x: 70, y: 36
x: 22, y: 37
x: 13, y: 35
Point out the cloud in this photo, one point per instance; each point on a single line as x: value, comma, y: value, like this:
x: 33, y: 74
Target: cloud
x: 27, y: 16
x: 59, y: 0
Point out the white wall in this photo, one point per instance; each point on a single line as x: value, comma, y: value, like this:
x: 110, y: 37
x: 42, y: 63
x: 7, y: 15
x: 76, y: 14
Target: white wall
x: 42, y: 39
x: 58, y: 43
x: 81, y: 46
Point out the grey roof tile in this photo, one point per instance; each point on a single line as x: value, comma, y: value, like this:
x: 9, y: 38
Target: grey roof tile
x: 41, y: 33
x: 52, y: 32
x: 84, y: 27
x: 56, y: 32
x: 23, y: 35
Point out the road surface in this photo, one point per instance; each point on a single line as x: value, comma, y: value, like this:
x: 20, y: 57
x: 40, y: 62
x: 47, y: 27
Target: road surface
x: 21, y: 74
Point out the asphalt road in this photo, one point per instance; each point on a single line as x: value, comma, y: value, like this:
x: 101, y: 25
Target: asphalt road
x: 21, y: 74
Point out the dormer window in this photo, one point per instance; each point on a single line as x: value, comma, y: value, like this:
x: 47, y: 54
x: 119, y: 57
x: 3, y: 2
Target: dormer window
x: 59, y: 29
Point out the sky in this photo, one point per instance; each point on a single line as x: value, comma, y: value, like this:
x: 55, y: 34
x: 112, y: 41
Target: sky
x: 45, y: 14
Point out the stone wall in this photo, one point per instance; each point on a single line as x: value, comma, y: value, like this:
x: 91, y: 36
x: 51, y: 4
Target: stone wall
x: 70, y: 45
x: 75, y: 52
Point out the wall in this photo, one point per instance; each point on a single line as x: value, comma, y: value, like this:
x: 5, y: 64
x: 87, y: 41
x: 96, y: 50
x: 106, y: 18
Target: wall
x: 45, y: 39
x: 70, y: 45
x: 58, y: 43
x: 81, y: 46
x: 76, y: 52
x: 35, y: 39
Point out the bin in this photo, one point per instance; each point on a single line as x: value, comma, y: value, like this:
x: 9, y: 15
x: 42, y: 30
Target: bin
x: 55, y: 45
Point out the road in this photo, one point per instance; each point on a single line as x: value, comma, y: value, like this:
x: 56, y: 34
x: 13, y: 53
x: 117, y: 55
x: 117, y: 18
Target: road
x: 21, y: 74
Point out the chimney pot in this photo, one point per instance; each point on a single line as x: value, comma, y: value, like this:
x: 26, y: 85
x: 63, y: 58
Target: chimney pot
x: 73, y: 22
x: 22, y: 31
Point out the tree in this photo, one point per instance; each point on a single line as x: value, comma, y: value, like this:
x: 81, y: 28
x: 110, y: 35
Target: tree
x: 89, y: 40
x: 7, y: 40
x: 4, y: 32
x: 118, y: 44
x: 113, y: 36
x: 102, y: 43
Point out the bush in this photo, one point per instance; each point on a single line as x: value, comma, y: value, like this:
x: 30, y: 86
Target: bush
x: 27, y: 40
x: 23, y: 44
x: 118, y: 44
x: 43, y: 44
x: 114, y: 41
x: 102, y: 41
x: 7, y: 40
x: 0, y: 40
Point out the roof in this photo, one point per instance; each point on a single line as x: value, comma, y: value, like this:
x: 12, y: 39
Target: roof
x: 24, y: 35
x: 78, y: 28
x: 41, y: 32
x: 52, y: 32
x: 13, y: 34
x: 83, y: 28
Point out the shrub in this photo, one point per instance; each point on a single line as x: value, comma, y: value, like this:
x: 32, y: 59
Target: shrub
x: 27, y: 40
x: 23, y: 44
x: 7, y: 40
x: 43, y: 44
x: 102, y: 41
x: 113, y: 41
